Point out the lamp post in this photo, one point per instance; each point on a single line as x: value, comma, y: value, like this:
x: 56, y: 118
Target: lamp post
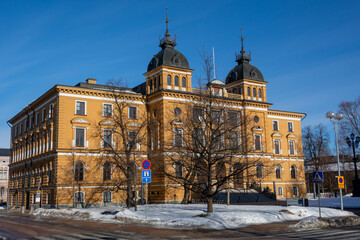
x: 335, y: 119
x: 353, y: 143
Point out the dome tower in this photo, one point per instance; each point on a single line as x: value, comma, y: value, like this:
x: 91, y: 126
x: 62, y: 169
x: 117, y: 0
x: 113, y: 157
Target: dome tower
x: 245, y: 79
x: 168, y: 69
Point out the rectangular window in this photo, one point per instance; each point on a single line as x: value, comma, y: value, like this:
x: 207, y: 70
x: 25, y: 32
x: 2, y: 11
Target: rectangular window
x: 291, y: 147
x: 37, y: 119
x: 275, y: 125
x: 80, y: 108
x: 257, y: 142
x: 199, y: 138
x: 107, y: 197
x: 80, y: 137
x: 16, y: 131
x: 178, y: 137
x: 107, y: 110
x: 178, y: 170
x: 107, y: 138
x: 132, y: 112
x: 183, y: 82
x: 276, y: 146
x: 79, y: 197
x: 198, y: 114
x: 233, y: 140
x: 217, y: 141
x: 26, y: 125
x: 133, y: 140
x: 50, y: 111
x: 280, y: 191
x: 48, y: 198
x: 43, y: 115
x: 290, y: 127
x: 31, y: 122
x: 295, y: 191
x: 21, y: 129
x: 233, y: 119
x: 215, y: 117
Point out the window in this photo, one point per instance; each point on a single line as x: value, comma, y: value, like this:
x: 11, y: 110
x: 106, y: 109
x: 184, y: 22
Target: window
x: 259, y: 170
x: 295, y: 191
x: 240, y: 90
x: 21, y: 129
x: 48, y: 198
x: 37, y: 119
x: 107, y: 139
x: 49, y: 175
x: 80, y: 108
x: 79, y: 197
x: 16, y: 131
x: 275, y: 125
x: 31, y: 122
x: 280, y: 191
x: 2, y: 192
x: 198, y: 138
x: 198, y: 114
x: 249, y: 91
x: 290, y: 127
x: 234, y: 91
x: 291, y: 147
x: 293, y: 171
x: 183, y: 82
x: 51, y: 108
x: 168, y: 79
x: 233, y: 140
x: 80, y: 137
x: 216, y: 138
x: 107, y: 110
x: 79, y: 171
x: 178, y: 170
x: 43, y: 115
x: 257, y: 142
x: 132, y: 112
x: 254, y: 92
x: 133, y: 144
x: 26, y: 125
x: 159, y: 82
x: 107, y: 171
x: 153, y: 140
x: 176, y: 81
x: 277, y: 146
x: 34, y: 198
x: 107, y: 197
x: 232, y: 118
x: 278, y: 171
x: 3, y: 174
x: 215, y: 117
x: 259, y: 92
x: 178, y: 137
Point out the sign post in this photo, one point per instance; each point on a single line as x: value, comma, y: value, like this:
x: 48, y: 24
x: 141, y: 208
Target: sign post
x: 318, y: 178
x: 146, y: 178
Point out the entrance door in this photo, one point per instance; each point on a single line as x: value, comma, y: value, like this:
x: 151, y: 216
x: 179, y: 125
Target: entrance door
x: 27, y: 200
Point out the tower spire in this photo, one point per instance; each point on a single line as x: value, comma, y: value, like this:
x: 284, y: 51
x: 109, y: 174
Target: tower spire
x: 242, y: 56
x: 167, y: 34
x: 167, y: 41
x: 242, y: 42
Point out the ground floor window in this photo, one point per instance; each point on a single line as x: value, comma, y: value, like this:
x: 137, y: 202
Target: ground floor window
x: 280, y: 191
x: 34, y: 198
x: 107, y: 197
x: 79, y: 197
x: 295, y: 191
x: 48, y: 195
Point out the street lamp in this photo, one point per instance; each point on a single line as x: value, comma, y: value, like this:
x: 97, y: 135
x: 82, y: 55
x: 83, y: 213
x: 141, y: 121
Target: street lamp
x: 354, y: 143
x: 335, y: 119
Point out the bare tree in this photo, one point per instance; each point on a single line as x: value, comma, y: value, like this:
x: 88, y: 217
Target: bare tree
x: 351, y: 111
x: 208, y: 149
x: 123, y: 136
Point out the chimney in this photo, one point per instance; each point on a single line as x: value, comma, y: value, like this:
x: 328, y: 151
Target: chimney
x: 91, y: 80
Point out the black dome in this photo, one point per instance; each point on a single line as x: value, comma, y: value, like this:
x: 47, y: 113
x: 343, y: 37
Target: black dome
x: 244, y: 71
x: 168, y: 56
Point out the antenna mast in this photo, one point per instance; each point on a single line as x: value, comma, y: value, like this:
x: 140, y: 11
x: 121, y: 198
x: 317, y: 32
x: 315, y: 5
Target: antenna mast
x: 214, y: 62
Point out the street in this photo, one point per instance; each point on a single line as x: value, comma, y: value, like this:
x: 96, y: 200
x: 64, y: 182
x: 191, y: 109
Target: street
x: 24, y: 226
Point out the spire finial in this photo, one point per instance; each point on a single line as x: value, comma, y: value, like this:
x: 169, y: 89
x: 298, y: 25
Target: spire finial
x: 242, y: 42
x: 167, y: 41
x: 167, y: 24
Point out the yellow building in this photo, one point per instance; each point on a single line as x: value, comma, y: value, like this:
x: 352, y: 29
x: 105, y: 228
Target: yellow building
x: 60, y: 141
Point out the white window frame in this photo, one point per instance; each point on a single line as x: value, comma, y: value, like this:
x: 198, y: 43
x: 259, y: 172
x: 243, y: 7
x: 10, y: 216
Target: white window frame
x: 280, y: 191
x: 261, y: 147
x: 112, y: 138
x: 85, y: 141
x: 103, y: 107
x: 277, y: 124
x: 277, y: 140
x: 136, y: 138
x: 85, y: 107
x: 297, y: 190
x: 81, y: 192
x: 181, y: 139
x: 293, y: 146
x: 136, y: 112
x: 111, y: 196
x: 292, y: 126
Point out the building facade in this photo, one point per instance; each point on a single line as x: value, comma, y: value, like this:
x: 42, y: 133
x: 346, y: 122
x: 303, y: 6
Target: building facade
x: 60, y: 142
x: 4, y: 170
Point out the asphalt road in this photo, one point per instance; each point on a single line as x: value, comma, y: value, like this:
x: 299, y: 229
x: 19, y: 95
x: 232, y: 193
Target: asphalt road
x: 24, y: 226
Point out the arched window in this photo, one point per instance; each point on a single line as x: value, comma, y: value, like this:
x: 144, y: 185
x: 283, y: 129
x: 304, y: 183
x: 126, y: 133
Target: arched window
x: 249, y: 91
x: 183, y: 82
x: 176, y: 81
x: 79, y: 171
x: 280, y: 191
x: 254, y: 92
x: 293, y: 171
x: 169, y: 80
x: 107, y: 171
x: 278, y: 171
x: 259, y: 170
x: 79, y: 197
x: 259, y: 92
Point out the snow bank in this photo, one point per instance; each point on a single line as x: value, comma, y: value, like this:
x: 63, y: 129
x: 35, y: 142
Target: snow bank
x: 314, y: 222
x: 194, y: 215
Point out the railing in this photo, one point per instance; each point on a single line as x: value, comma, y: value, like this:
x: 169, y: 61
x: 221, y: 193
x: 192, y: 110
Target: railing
x: 168, y: 39
x: 240, y: 55
x: 233, y: 95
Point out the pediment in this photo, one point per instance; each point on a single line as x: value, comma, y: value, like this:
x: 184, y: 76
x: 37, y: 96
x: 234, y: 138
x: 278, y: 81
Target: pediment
x: 107, y: 122
x: 79, y: 120
x: 256, y: 128
x: 290, y: 135
x: 276, y: 134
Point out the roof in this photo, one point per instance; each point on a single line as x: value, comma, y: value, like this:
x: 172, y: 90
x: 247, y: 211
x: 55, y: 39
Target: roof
x: 4, y: 151
x: 244, y: 70
x: 168, y: 57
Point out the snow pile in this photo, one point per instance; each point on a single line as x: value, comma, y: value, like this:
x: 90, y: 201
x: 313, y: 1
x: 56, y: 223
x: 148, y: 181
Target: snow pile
x: 313, y: 222
x: 349, y: 202
x: 194, y: 215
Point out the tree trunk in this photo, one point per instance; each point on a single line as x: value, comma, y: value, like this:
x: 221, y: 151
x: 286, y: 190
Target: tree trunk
x: 210, y: 204
x: 128, y: 189
x: 186, y: 198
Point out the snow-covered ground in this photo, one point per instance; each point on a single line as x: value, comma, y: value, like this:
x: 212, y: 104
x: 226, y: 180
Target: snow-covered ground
x: 194, y: 215
x: 349, y: 202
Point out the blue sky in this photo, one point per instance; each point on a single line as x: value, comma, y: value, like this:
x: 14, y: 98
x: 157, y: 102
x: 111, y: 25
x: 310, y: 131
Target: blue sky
x: 308, y: 51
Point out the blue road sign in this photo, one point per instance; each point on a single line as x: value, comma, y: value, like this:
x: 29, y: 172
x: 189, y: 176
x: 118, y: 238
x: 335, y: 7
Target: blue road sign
x: 146, y: 176
x: 318, y: 177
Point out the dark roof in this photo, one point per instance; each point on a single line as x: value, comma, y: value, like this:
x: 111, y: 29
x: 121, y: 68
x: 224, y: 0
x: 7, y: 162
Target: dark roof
x: 4, y: 152
x: 168, y: 57
x: 141, y: 88
x: 244, y: 70
x: 102, y: 87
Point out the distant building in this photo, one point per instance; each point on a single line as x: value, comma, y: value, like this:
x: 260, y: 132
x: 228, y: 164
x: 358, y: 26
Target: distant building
x: 4, y: 173
x: 52, y: 144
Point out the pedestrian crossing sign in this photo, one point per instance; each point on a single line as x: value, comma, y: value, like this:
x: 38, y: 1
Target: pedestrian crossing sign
x: 318, y: 177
